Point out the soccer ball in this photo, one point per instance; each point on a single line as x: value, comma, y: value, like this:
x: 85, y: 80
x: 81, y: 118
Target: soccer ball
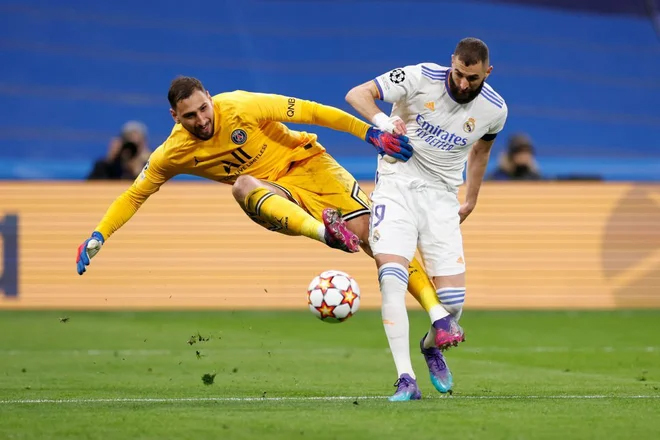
x: 333, y: 296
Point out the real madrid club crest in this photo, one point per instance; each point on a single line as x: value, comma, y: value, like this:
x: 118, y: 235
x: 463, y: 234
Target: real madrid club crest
x: 468, y: 127
x: 239, y: 136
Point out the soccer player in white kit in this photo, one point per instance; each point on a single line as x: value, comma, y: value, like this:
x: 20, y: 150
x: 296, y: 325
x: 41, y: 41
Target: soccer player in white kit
x: 451, y: 115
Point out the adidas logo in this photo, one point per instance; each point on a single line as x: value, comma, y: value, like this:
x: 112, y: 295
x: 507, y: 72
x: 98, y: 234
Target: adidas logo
x: 460, y: 260
x: 430, y: 105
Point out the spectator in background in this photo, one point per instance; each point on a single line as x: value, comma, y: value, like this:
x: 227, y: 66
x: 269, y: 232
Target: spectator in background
x: 127, y: 154
x: 517, y: 162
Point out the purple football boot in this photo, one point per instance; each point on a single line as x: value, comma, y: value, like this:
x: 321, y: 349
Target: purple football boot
x: 438, y: 370
x: 406, y: 389
x: 337, y: 234
x: 447, y: 333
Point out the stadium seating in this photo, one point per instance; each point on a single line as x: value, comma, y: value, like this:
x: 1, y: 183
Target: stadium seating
x: 584, y: 86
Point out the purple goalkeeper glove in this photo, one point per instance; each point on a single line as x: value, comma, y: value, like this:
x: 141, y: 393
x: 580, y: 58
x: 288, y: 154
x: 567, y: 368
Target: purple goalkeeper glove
x: 396, y: 146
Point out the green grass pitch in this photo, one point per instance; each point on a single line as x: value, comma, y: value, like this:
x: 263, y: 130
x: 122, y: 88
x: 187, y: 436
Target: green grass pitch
x: 286, y: 375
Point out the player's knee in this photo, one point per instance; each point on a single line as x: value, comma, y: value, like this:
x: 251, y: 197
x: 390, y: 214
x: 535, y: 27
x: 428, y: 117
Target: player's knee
x: 452, y: 299
x: 242, y: 187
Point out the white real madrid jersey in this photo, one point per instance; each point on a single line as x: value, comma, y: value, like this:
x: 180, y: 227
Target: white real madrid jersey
x: 441, y: 130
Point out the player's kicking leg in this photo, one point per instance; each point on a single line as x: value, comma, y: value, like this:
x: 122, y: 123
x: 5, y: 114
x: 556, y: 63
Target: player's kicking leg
x: 271, y: 208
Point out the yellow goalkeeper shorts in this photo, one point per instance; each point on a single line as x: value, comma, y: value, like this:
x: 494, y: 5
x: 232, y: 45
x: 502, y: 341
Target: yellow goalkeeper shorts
x: 319, y: 182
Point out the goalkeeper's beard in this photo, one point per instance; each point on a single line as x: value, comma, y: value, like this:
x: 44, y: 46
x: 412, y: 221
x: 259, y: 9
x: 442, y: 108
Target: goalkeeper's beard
x: 205, y: 132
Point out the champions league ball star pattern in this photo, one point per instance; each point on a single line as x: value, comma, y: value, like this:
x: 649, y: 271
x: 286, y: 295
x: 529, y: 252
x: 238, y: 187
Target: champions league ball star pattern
x: 333, y: 296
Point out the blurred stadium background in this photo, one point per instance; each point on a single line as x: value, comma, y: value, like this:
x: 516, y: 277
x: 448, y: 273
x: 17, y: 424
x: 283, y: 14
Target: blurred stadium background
x: 580, y: 79
x: 551, y: 263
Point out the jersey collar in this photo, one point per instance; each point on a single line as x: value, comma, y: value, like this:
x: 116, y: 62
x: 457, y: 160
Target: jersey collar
x: 451, y: 95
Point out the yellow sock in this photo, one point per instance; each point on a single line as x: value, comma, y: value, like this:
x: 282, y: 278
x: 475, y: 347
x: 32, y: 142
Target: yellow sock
x: 421, y: 287
x: 280, y: 212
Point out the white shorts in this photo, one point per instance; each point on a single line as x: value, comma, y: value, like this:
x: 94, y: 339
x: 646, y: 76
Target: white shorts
x: 408, y: 213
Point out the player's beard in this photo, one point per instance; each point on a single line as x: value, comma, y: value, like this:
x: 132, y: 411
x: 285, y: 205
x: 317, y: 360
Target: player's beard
x: 205, y: 136
x: 464, y: 98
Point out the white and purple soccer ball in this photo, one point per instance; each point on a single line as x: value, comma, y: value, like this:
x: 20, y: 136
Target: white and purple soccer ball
x: 333, y: 296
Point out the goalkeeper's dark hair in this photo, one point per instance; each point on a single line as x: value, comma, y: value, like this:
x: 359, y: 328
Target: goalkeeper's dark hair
x: 182, y: 87
x: 472, y: 51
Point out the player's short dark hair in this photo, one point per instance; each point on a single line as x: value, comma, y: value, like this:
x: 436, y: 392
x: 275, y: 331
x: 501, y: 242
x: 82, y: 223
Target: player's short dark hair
x: 472, y: 51
x: 182, y: 87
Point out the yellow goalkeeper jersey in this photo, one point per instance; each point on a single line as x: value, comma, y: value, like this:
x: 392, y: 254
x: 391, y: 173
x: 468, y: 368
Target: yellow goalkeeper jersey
x: 249, y: 138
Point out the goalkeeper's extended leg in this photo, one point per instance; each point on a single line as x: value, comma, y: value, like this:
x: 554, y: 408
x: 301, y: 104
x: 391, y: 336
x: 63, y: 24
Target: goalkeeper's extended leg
x: 423, y: 290
x: 269, y: 207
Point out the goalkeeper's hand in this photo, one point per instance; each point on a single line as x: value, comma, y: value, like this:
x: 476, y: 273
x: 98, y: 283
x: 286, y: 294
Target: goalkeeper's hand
x: 87, y: 250
x: 388, y: 144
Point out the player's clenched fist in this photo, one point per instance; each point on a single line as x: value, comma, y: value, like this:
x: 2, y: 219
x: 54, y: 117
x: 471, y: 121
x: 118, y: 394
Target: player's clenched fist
x: 87, y: 250
x: 398, y: 147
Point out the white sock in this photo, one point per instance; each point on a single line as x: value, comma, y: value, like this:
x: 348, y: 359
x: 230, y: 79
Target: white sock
x: 437, y: 312
x: 322, y: 234
x: 393, y: 279
x: 451, y: 299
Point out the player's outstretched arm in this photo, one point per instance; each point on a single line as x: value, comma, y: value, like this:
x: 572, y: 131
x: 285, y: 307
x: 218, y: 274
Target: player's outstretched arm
x: 476, y: 168
x: 271, y: 107
x: 122, y: 209
x: 390, y: 145
x: 282, y: 109
x: 363, y: 99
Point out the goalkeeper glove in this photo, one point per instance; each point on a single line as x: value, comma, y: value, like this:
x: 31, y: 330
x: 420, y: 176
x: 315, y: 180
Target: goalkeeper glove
x: 87, y: 250
x: 394, y: 125
x: 388, y: 144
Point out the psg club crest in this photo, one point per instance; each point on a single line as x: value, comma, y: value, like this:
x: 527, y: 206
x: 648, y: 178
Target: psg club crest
x: 397, y: 76
x: 468, y: 127
x: 239, y: 136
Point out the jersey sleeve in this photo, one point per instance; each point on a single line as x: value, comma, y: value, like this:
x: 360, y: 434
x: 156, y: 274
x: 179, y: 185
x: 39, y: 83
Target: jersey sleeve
x: 398, y: 84
x: 269, y: 107
x: 156, y: 172
x: 498, y: 124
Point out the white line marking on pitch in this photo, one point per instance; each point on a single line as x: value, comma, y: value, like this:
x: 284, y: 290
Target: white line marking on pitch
x: 304, y: 399
x: 484, y: 350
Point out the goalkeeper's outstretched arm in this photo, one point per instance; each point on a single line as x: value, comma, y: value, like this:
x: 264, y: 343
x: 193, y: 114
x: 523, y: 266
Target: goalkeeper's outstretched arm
x: 288, y: 109
x: 269, y: 107
x: 123, y: 208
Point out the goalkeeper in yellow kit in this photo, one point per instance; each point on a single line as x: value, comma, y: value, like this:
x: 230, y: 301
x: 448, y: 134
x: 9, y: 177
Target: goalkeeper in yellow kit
x: 283, y: 179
